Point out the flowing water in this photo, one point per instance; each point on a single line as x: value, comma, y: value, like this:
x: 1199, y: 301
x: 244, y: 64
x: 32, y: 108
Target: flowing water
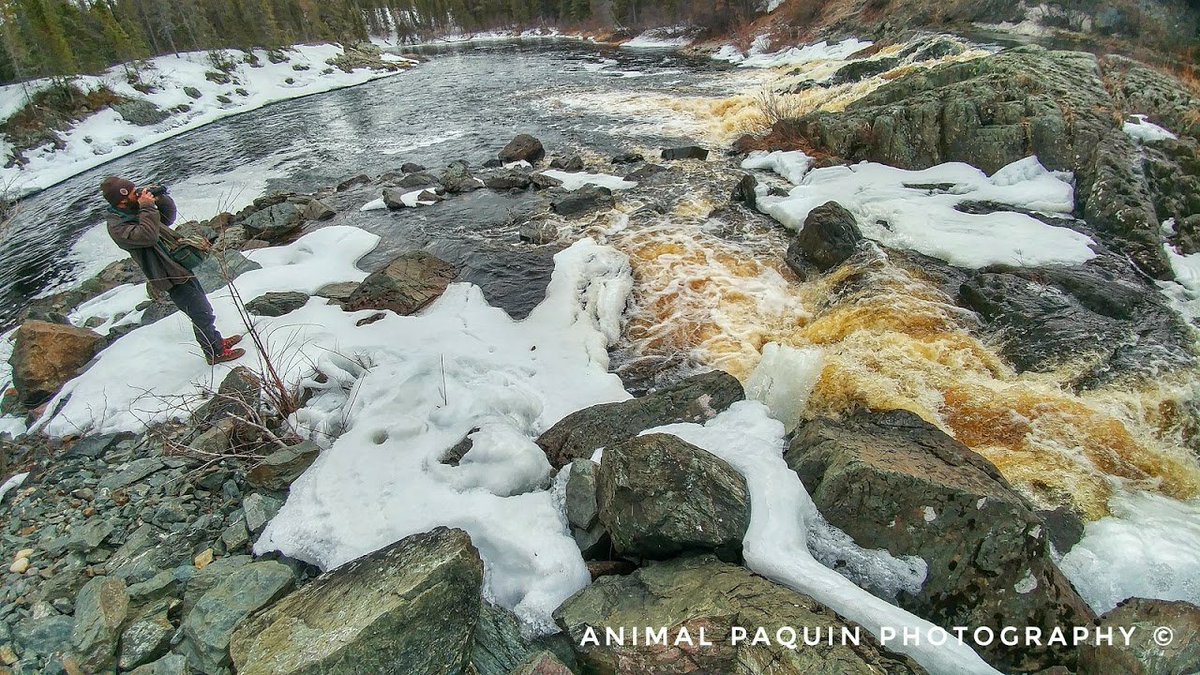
x: 711, y: 286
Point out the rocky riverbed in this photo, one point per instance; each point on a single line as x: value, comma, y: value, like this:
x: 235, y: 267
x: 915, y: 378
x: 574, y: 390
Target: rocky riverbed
x: 888, y: 438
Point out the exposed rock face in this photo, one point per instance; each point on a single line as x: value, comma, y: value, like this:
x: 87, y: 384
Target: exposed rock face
x: 660, y: 496
x: 830, y: 235
x: 218, y: 268
x: 583, y: 513
x: 507, y: 179
x: 408, y: 608
x: 523, y: 148
x: 891, y: 480
x: 46, y: 355
x: 1144, y: 656
x: 993, y: 111
x: 696, y: 399
x: 862, y: 69
x: 1048, y: 317
x: 573, y: 163
x: 275, y: 221
x: 457, y: 178
x: 100, y: 611
x: 689, y: 594
x: 405, y: 285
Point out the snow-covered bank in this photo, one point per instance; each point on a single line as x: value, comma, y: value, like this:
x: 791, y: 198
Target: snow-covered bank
x: 915, y: 209
x: 759, y: 56
x: 106, y: 135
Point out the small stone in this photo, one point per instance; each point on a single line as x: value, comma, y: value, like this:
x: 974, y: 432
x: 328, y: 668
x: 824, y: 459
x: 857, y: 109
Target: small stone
x: 7, y: 656
x: 259, y: 510
x: 25, y: 553
x: 236, y: 536
x: 204, y: 559
x: 19, y: 566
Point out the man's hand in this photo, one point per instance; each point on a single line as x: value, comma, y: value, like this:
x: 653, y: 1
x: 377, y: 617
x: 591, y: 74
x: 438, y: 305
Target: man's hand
x: 145, y: 199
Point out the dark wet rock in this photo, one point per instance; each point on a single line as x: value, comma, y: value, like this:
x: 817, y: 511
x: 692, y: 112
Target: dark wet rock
x: 892, y: 481
x: 937, y: 48
x: 408, y: 608
x: 574, y: 163
x: 208, y: 578
x: 499, y: 647
x: 280, y: 468
x: 861, y: 70
x: 156, y: 311
x: 584, y: 200
x: 583, y: 513
x: 412, y: 167
x: 659, y: 496
x: 140, y: 112
x: 393, y: 198
x: 493, y: 163
x: 628, y: 158
x: 541, y: 181
x: 277, y: 221
x: 695, y: 399
x: 405, y: 285
x: 192, y: 92
x: 702, y: 592
x: 645, y: 172
x: 538, y: 233
x: 94, y: 447
x: 745, y: 191
x: 276, y: 304
x: 1107, y: 319
x: 523, y: 148
x: 1144, y: 655
x: 208, y: 627
x: 318, y: 210
x: 992, y: 111
x: 1064, y: 526
x: 46, y: 355
x: 686, y: 152
x: 100, y: 611
x: 829, y: 237
x: 418, y: 180
x: 606, y: 568
x: 353, y: 181
x: 457, y: 179
x: 508, y: 179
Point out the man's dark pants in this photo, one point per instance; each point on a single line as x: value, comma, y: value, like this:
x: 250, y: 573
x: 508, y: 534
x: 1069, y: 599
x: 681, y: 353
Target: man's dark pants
x: 189, y: 297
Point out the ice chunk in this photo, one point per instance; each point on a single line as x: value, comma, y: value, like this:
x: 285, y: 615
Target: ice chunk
x: 792, y: 165
x: 574, y: 181
x: 1148, y: 548
x: 1142, y: 131
x: 784, y: 379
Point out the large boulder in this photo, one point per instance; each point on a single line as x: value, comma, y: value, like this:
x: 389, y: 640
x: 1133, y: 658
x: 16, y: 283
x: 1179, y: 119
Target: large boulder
x: 457, y: 179
x: 140, y: 112
x: 208, y: 627
x: 830, y: 235
x: 405, y: 285
x: 276, y: 221
x: 893, y: 481
x: 690, y: 595
x: 523, y: 148
x: 696, y: 399
x: 659, y: 496
x: 582, y: 510
x: 1177, y: 624
x: 276, y: 303
x: 46, y: 355
x: 992, y: 111
x: 411, y: 607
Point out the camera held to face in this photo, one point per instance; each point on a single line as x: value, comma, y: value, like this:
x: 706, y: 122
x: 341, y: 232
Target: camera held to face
x: 156, y: 190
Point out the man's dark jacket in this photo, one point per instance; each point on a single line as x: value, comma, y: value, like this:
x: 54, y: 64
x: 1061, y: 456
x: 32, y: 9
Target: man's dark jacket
x: 137, y: 231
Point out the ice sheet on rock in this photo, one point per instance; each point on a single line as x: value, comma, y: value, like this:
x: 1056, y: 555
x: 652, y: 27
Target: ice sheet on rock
x: 1184, y: 292
x: 575, y: 180
x: 792, y: 165
x: 1148, y: 548
x: 785, y: 526
x: 759, y: 57
x: 405, y: 389
x: 12, y: 483
x: 124, y: 390
x: 374, y: 205
x: 1145, y: 132
x: 783, y: 380
x: 915, y: 210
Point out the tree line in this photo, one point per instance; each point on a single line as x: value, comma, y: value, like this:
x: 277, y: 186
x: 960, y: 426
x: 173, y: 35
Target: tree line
x: 54, y: 38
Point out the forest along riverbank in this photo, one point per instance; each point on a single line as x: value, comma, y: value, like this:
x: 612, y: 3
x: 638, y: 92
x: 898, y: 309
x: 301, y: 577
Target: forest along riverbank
x: 1040, y: 468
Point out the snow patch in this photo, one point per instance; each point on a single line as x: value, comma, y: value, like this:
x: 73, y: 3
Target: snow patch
x: 1146, y: 132
x: 12, y: 483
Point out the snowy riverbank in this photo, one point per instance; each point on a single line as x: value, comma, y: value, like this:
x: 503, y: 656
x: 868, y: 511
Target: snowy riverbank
x: 190, y: 91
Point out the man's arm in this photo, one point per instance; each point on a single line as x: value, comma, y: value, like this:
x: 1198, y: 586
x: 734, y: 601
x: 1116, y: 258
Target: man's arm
x: 140, y: 233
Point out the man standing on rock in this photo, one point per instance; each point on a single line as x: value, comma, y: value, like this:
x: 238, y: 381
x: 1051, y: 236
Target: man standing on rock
x: 138, y: 221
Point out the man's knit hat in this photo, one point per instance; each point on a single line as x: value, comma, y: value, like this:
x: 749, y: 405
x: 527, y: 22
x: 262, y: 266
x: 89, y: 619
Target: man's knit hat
x: 115, y: 189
